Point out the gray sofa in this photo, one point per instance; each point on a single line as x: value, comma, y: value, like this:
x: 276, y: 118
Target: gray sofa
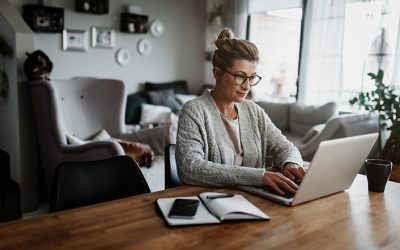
x: 307, y: 126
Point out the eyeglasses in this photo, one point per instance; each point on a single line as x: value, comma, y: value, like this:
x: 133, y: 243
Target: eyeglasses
x: 242, y: 78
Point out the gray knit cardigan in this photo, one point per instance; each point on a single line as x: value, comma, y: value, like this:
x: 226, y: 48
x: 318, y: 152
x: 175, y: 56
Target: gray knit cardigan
x: 199, y: 154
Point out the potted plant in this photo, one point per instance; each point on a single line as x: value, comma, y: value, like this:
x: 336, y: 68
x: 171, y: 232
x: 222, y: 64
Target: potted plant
x: 384, y: 100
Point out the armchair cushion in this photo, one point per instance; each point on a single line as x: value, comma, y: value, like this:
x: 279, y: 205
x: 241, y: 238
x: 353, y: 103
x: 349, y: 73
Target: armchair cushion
x: 102, y: 135
x: 302, y: 118
x: 73, y: 140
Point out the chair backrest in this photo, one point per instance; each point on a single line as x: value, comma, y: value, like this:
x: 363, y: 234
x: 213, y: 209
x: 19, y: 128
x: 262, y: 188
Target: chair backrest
x: 88, y: 105
x: 171, y: 172
x: 79, y: 184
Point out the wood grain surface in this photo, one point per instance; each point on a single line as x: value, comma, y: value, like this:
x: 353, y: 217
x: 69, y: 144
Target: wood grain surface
x: 354, y: 219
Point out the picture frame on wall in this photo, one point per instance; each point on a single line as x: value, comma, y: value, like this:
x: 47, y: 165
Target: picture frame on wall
x: 74, y: 40
x: 103, y: 37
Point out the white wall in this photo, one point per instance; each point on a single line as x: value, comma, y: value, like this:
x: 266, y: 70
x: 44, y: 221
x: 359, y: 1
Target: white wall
x: 178, y: 54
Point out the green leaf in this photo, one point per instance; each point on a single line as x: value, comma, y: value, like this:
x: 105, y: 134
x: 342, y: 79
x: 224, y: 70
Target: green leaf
x: 372, y: 75
x: 353, y: 101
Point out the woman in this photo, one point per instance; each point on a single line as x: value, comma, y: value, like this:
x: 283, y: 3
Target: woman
x: 223, y: 139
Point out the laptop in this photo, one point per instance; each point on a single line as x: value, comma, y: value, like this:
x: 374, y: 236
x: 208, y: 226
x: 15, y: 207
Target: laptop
x: 332, y: 169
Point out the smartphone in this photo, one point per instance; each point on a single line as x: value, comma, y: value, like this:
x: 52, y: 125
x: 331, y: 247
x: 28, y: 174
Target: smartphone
x: 183, y: 208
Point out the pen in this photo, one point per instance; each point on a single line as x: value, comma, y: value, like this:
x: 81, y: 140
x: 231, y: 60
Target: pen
x: 217, y: 196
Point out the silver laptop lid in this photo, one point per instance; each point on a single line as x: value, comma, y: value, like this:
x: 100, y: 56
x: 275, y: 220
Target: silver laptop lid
x: 334, y: 166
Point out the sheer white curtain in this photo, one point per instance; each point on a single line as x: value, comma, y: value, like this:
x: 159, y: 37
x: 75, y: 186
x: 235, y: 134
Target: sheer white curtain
x: 321, y: 67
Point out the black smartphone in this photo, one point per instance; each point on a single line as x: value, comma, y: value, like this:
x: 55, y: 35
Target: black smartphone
x: 183, y: 208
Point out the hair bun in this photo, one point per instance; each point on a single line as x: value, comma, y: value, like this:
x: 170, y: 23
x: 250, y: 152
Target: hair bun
x: 225, y: 34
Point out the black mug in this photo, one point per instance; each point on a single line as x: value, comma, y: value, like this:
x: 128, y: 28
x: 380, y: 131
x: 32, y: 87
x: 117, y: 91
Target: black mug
x: 378, y: 173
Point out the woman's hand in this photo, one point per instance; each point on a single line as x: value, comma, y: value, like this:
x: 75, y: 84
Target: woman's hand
x: 277, y: 181
x: 293, y: 171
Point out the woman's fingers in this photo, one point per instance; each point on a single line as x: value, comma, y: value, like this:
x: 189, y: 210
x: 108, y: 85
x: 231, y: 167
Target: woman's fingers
x: 294, y: 171
x: 279, y: 183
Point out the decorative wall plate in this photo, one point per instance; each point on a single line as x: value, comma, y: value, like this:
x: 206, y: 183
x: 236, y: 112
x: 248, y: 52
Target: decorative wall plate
x: 144, y: 46
x: 123, y: 56
x: 157, y: 28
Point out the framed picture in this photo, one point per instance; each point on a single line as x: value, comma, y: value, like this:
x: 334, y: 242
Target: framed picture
x: 103, y: 37
x: 74, y: 40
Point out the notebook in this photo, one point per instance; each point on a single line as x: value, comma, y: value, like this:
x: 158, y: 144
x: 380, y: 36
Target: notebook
x: 213, y: 211
x: 333, y: 169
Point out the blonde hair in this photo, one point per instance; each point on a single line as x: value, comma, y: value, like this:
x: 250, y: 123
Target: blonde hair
x: 230, y: 48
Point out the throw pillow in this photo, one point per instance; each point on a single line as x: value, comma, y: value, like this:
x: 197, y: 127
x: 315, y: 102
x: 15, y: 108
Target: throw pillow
x: 164, y: 98
x: 278, y: 113
x: 302, y: 118
x: 103, y: 135
x: 134, y: 106
x: 75, y: 141
x: 312, y: 132
x: 154, y: 114
x: 179, y: 87
x: 184, y: 98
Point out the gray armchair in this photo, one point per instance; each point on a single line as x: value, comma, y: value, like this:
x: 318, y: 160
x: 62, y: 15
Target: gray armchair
x: 79, y: 107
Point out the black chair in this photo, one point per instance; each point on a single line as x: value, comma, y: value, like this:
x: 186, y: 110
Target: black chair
x: 171, y: 172
x: 79, y: 184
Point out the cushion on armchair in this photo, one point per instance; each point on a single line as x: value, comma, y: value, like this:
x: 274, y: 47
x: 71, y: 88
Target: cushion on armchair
x: 102, y: 135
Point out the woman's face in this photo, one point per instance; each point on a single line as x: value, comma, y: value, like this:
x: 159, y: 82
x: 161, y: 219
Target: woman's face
x: 225, y: 82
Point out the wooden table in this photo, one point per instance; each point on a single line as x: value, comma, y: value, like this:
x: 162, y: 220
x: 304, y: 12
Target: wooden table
x: 354, y: 219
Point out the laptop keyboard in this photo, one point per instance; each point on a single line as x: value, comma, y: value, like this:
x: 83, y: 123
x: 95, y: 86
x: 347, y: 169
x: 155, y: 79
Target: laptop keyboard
x: 287, y: 194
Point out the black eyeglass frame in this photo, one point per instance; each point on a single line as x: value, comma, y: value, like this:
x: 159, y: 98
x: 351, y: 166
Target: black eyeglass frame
x: 247, y: 78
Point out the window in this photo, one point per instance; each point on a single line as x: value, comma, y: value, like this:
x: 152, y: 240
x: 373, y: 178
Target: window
x: 344, y: 40
x: 277, y: 36
x: 370, y: 37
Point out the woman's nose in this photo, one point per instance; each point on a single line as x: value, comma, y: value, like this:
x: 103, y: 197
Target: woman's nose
x: 246, y: 84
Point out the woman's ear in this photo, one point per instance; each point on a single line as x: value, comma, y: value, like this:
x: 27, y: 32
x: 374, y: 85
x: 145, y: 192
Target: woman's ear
x: 216, y: 72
